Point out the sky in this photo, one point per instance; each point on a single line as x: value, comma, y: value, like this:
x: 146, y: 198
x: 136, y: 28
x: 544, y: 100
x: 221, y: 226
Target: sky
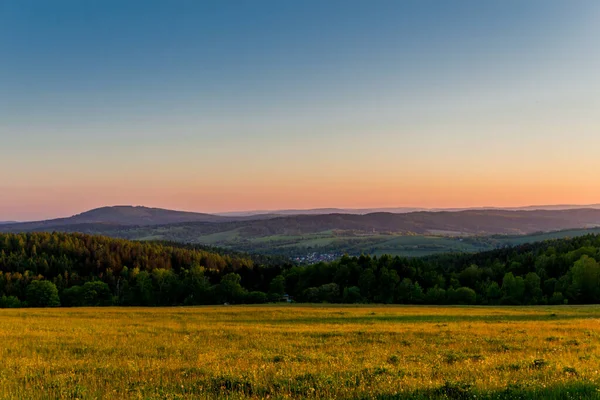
x: 221, y: 105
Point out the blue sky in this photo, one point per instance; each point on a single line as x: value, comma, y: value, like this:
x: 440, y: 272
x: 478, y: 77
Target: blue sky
x: 222, y: 105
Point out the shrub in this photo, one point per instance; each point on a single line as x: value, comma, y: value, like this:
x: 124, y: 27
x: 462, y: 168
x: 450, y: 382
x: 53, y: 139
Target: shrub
x: 557, y: 298
x: 10, y: 302
x: 71, y: 297
x: 352, y: 295
x: 463, y: 295
x: 42, y: 294
x: 256, y: 298
x: 95, y: 293
x: 435, y: 295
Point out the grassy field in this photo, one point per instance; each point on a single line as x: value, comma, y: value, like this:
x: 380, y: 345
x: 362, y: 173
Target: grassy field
x: 366, y: 352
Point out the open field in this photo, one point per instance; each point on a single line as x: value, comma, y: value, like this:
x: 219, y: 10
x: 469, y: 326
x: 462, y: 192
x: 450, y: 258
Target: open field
x: 380, y: 352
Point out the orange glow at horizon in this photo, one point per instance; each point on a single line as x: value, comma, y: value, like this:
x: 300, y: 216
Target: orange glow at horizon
x: 65, y: 201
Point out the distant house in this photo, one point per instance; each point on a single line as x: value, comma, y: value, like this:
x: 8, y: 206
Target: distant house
x: 286, y: 298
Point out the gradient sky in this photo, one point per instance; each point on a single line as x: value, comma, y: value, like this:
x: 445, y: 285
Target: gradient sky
x: 237, y: 105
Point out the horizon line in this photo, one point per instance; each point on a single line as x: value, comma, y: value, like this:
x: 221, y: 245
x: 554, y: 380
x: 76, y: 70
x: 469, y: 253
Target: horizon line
x: 275, y: 211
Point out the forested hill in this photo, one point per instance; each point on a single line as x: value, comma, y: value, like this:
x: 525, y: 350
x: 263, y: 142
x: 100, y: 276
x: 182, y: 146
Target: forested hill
x: 43, y: 269
x: 71, y: 260
x: 107, y: 217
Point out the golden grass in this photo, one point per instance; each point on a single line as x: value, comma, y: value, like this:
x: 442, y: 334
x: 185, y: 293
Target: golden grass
x: 292, y: 351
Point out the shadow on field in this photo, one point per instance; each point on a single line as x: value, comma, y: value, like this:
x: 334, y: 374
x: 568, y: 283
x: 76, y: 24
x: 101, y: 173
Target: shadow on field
x: 513, y: 392
x: 305, y: 386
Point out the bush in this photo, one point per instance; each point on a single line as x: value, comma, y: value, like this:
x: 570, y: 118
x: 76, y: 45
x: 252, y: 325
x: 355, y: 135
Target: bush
x: 463, y: 295
x: 557, y: 298
x: 352, y: 295
x: 329, y: 292
x: 435, y: 295
x: 71, y: 297
x: 311, y: 295
x: 95, y: 293
x: 42, y: 294
x: 256, y: 298
x: 10, y: 302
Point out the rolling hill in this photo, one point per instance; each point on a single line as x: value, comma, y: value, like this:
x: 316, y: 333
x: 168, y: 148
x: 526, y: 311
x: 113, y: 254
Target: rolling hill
x: 414, y: 233
x: 472, y: 222
x: 127, y: 219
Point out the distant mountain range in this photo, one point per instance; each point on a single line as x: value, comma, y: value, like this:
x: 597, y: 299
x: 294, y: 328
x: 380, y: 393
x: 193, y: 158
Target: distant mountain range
x: 397, y: 210
x: 471, y: 222
x: 299, y: 232
x: 322, y: 211
x: 147, y: 216
x: 481, y: 222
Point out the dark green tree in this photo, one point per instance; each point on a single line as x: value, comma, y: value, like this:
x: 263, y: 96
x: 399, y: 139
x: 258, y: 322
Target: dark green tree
x: 585, y: 275
x: 230, y: 289
x: 352, y: 295
x: 277, y: 288
x: 42, y: 293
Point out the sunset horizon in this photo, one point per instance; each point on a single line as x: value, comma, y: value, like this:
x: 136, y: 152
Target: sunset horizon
x: 310, y: 199
x: 214, y: 108
x: 300, y: 209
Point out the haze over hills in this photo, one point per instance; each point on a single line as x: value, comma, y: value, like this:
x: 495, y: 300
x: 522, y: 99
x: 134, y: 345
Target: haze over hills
x: 323, y: 211
x: 398, y: 210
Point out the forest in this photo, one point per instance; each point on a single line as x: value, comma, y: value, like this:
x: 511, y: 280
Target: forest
x: 72, y: 269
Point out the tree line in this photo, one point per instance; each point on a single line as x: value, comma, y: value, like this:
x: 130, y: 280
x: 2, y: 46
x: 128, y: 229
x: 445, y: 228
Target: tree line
x: 61, y: 269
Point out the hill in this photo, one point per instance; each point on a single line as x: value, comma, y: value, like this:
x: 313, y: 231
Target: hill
x: 107, y: 217
x: 485, y: 222
x: 479, y: 222
x: 326, y: 236
x: 143, y: 216
x: 472, y: 222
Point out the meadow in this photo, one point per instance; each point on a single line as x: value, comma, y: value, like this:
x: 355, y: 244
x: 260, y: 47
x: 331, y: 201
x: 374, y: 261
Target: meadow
x: 327, y: 352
